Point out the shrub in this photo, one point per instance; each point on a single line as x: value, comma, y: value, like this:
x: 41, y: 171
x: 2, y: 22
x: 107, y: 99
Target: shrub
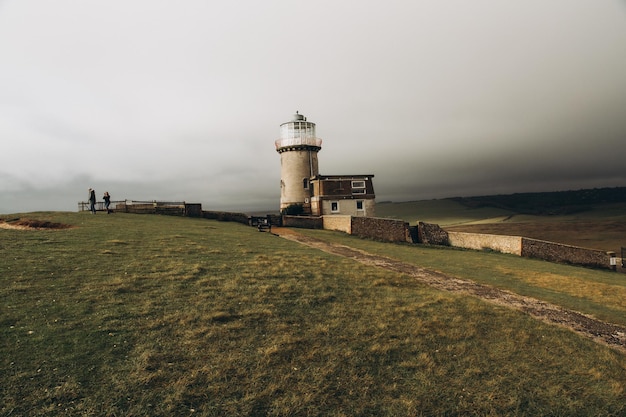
x: 293, y: 210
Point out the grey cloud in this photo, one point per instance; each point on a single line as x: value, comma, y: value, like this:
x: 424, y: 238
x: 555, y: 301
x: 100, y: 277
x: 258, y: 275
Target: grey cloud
x: 183, y: 101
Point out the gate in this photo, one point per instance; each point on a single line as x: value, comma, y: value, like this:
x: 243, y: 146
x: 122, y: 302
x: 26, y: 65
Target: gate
x: 623, y: 260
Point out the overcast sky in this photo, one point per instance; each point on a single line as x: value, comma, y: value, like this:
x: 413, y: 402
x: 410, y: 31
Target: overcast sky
x: 182, y: 100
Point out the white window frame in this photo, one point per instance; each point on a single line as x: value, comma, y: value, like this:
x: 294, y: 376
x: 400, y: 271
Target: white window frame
x: 358, y: 187
x: 362, y: 203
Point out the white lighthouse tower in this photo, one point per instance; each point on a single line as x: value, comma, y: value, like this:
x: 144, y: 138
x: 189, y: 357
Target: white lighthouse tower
x: 298, y: 147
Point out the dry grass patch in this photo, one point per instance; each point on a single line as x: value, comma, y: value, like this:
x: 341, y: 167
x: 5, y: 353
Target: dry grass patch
x: 32, y: 224
x: 600, y: 292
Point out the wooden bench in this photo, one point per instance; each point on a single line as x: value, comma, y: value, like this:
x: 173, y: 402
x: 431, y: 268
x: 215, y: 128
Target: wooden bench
x: 264, y: 226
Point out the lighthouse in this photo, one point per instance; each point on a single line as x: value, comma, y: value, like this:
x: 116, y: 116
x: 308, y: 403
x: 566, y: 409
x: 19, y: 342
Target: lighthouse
x: 298, y: 147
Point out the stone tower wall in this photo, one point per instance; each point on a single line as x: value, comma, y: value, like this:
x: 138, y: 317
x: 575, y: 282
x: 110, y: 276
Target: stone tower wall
x: 296, y: 165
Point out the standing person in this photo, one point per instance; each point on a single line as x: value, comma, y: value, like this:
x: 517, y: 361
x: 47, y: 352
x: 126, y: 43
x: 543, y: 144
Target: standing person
x: 92, y: 201
x: 107, y: 201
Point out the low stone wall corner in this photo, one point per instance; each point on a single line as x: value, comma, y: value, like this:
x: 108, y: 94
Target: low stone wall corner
x: 432, y: 234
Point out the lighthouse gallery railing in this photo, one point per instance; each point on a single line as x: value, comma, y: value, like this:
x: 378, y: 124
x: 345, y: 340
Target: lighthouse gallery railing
x: 281, y: 143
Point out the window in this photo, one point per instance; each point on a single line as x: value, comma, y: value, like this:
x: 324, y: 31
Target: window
x: 334, y: 207
x: 358, y: 187
x: 305, y: 183
x: 359, y: 205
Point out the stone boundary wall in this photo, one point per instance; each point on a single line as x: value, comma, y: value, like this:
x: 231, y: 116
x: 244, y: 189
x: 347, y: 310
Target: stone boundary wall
x: 303, y: 222
x: 388, y: 230
x: 560, y: 253
x: 225, y: 216
x: 170, y: 211
x: 336, y: 222
x: 522, y: 246
x: 433, y: 234
x: 482, y: 241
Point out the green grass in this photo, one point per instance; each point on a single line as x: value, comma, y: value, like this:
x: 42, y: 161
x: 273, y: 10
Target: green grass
x: 141, y: 315
x: 600, y: 293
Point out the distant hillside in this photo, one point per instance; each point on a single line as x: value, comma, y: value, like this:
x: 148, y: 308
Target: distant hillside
x: 547, y: 203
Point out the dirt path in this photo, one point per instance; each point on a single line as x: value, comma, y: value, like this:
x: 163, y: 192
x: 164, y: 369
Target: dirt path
x: 606, y: 333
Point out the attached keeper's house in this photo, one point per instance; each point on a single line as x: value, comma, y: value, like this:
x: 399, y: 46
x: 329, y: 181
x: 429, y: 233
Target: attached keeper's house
x: 342, y: 194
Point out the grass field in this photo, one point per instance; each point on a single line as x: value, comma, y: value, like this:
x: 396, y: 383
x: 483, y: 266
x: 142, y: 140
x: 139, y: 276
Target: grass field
x: 444, y: 212
x: 143, y: 315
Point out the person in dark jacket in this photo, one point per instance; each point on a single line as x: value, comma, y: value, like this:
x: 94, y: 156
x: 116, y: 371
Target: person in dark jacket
x: 107, y: 201
x: 92, y: 201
